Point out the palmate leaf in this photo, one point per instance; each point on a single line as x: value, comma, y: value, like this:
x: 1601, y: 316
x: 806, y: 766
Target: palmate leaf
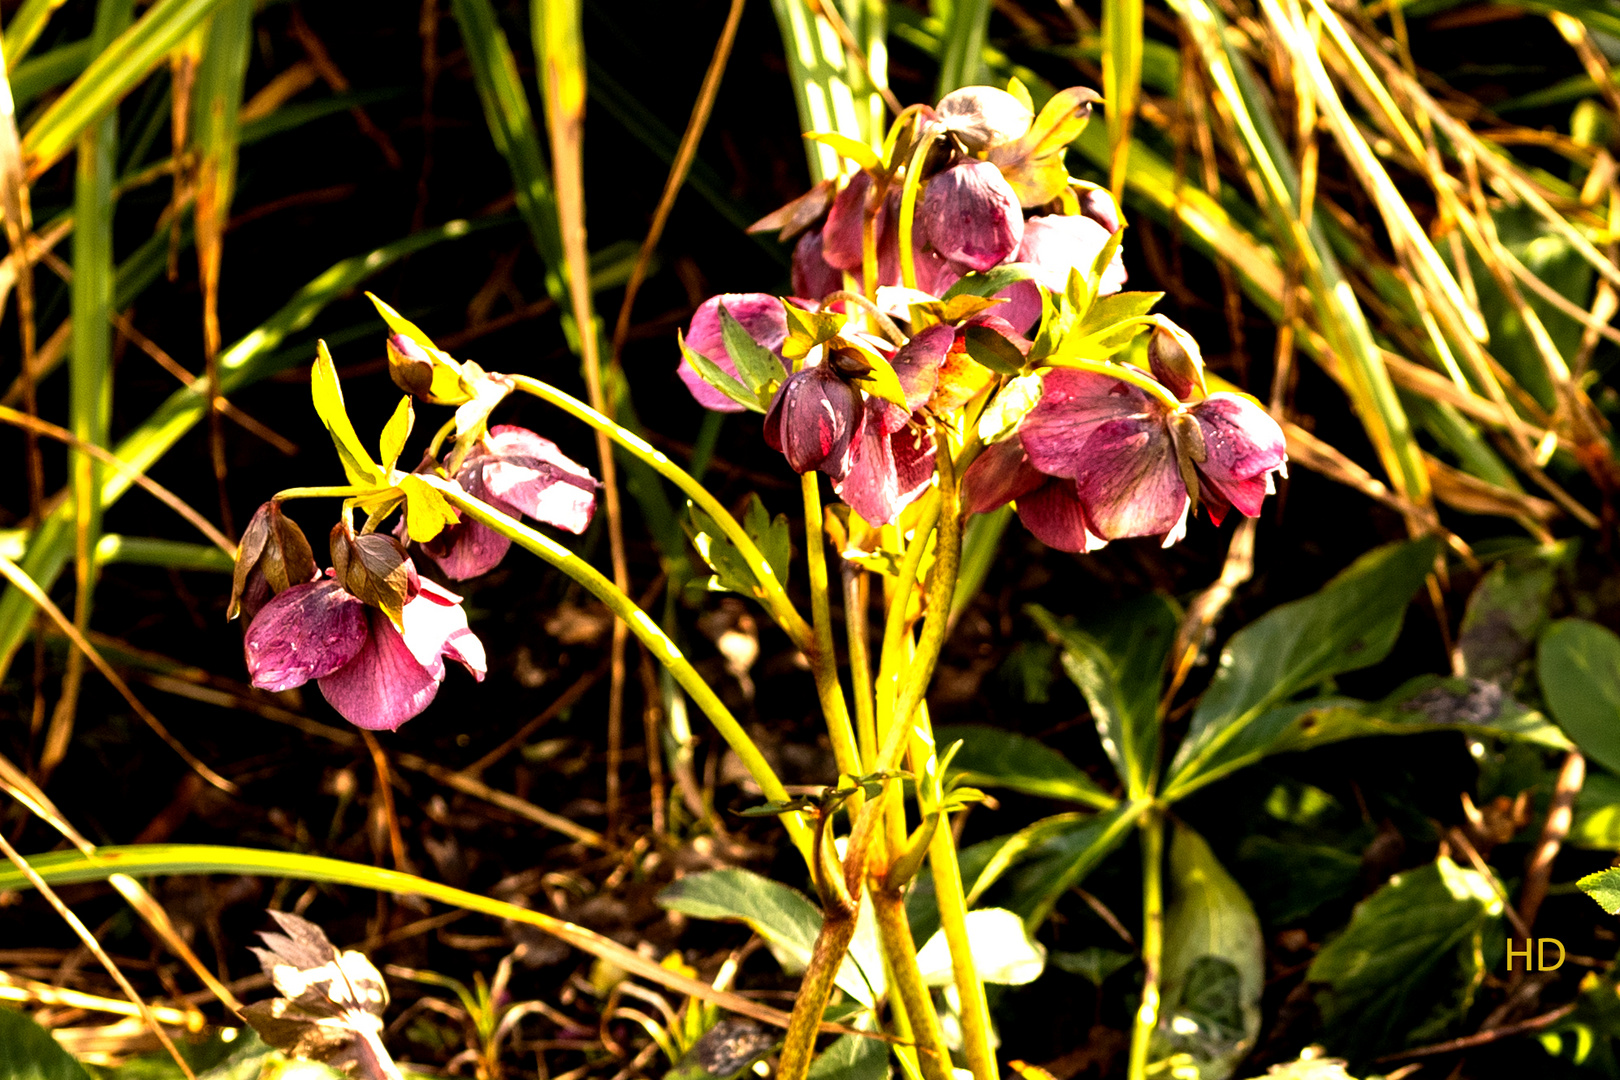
x: 1350, y: 623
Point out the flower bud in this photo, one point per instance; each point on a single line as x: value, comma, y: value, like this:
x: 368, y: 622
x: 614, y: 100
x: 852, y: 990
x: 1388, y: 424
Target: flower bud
x: 1175, y: 359
x: 983, y: 117
x: 814, y: 420
x: 374, y: 569
x: 1098, y: 205
x: 971, y: 216
x: 273, y: 556
x: 427, y: 374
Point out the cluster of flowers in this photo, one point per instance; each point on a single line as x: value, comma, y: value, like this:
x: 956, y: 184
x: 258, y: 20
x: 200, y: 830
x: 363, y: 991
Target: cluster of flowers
x: 1097, y: 450
x: 371, y: 631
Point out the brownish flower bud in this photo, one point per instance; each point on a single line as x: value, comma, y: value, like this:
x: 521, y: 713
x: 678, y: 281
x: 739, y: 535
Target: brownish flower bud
x: 273, y: 556
x: 1175, y: 359
x: 374, y: 569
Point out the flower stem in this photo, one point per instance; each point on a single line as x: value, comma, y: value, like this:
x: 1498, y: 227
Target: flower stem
x: 336, y: 492
x: 908, y: 209
x: 656, y: 641
x: 900, y: 950
x: 798, y: 1047
x: 953, y: 919
x: 1147, y: 1015
x: 941, y: 588
x: 856, y: 586
x: 824, y: 658
x: 772, y: 594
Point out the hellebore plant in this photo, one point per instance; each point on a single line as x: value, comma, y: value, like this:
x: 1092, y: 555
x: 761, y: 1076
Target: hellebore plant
x: 958, y: 340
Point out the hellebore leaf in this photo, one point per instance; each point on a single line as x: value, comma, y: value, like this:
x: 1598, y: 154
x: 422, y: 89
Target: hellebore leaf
x: 395, y: 432
x: 1604, y: 889
x: 716, y: 376
x: 1093, y: 964
x: 1406, y: 968
x: 27, y: 1051
x: 1033, y: 164
x: 852, y: 1057
x: 427, y: 511
x: 726, y: 1050
x: 1109, y: 311
x: 1214, y: 961
x: 807, y: 329
x: 1578, y: 663
x: 1350, y: 623
x: 1002, y: 951
x: 991, y: 757
x: 1037, y: 865
x: 760, y: 368
x: 731, y: 570
x: 992, y: 350
x: 328, y: 395
x: 853, y: 149
x: 784, y: 917
x: 1508, y: 609
x: 331, y: 1004
x: 772, y: 536
x: 990, y: 282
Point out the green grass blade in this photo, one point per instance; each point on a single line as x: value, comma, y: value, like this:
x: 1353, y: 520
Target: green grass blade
x: 26, y: 26
x: 511, y: 126
x: 171, y: 554
x: 1122, y: 80
x: 816, y: 68
x: 961, y: 58
x: 244, y: 363
x: 36, y: 76
x: 114, y: 71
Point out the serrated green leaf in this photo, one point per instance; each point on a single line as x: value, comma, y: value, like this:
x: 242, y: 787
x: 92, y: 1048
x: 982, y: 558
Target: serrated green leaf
x: 328, y: 397
x: 395, y: 432
x: 1604, y: 888
x: 773, y: 537
x: 731, y: 570
x: 758, y: 366
x: 716, y: 376
x: 1109, y: 310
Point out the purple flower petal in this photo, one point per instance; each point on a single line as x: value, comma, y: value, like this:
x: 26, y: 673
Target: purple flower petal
x: 524, y: 470
x: 918, y: 362
x: 999, y: 475
x: 1055, y: 243
x: 841, y: 235
x: 814, y: 421
x: 888, y: 468
x: 383, y: 685
x: 1244, y: 447
x: 813, y: 276
x: 306, y: 632
x: 1113, y: 440
x: 970, y: 214
x: 1053, y: 513
x: 759, y: 313
x: 435, y: 626
x: 469, y: 549
x: 1098, y: 205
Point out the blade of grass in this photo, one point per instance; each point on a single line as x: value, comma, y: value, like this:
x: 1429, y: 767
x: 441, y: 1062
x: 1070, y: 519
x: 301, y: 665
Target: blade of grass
x: 32, y: 78
x: 82, y: 932
x: 26, y: 26
x: 146, y: 860
x: 26, y: 792
x: 250, y: 359
x: 1122, y: 81
x: 560, y: 56
x: 28, y: 587
x: 816, y: 66
x: 90, y: 374
x: 217, y: 100
x: 114, y: 71
x: 961, y: 58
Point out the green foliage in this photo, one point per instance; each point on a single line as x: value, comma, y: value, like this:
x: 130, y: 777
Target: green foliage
x: 990, y: 757
x: 732, y: 572
x: 1578, y: 663
x: 27, y: 1052
x: 1405, y: 970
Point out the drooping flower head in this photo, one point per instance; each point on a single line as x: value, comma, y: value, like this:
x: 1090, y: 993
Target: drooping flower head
x: 377, y: 668
x: 520, y: 474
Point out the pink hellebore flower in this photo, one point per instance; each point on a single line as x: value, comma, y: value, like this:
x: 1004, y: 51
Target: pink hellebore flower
x: 378, y: 676
x: 759, y: 313
x: 1054, y: 243
x: 970, y: 215
x: 518, y: 473
x: 1101, y: 459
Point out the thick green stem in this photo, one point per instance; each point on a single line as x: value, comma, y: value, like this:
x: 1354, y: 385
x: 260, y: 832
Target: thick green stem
x: 824, y: 658
x: 798, y: 1047
x: 900, y: 950
x: 1147, y: 1015
x: 772, y: 594
x: 908, y: 208
x: 941, y: 587
x: 860, y: 660
x: 947, y: 874
x: 648, y: 632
